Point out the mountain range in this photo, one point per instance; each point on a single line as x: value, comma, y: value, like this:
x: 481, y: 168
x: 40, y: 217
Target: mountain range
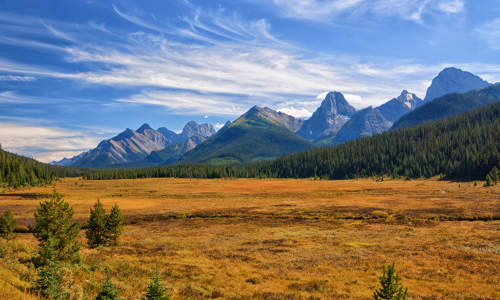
x: 262, y: 133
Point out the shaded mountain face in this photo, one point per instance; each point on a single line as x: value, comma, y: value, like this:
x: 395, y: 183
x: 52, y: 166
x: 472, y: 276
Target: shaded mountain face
x: 334, y: 112
x: 450, y: 104
x: 395, y: 108
x: 134, y: 146
x: 453, y: 80
x: 366, y: 122
x: 259, y: 134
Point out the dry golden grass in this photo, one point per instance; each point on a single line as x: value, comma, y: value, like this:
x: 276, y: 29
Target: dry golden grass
x: 280, y: 239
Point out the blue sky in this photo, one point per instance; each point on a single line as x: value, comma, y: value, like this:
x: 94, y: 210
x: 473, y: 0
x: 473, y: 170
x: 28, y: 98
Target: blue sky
x: 75, y: 72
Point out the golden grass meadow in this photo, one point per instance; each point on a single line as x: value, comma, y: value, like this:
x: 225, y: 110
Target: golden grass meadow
x: 275, y: 238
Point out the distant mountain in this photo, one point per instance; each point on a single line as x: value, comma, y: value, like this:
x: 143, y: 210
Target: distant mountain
x: 259, y: 134
x: 395, y: 108
x: 453, y: 80
x: 366, y: 122
x: 192, y: 135
x: 134, y: 146
x: 334, y: 112
x: 448, y: 105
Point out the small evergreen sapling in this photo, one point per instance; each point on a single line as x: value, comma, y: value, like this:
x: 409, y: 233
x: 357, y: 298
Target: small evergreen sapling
x: 96, y: 227
x: 114, y: 225
x: 492, y: 177
x: 108, y: 291
x: 7, y: 226
x: 390, y: 288
x: 156, y: 290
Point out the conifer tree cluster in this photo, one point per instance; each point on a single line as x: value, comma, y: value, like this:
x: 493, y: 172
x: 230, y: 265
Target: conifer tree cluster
x: 492, y: 177
x: 104, y: 229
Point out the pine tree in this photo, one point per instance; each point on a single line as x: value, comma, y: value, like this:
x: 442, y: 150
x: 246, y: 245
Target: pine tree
x: 7, y: 226
x: 156, y: 290
x: 56, y: 231
x: 48, y: 282
x: 108, y: 291
x: 492, y: 177
x: 96, y: 230
x: 390, y: 288
x: 114, y: 225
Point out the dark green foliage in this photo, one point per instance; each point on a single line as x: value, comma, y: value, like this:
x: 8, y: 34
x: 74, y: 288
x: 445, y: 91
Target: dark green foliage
x: 49, y: 279
x: 56, y: 231
x: 7, y: 225
x: 448, y: 105
x: 492, y: 177
x: 96, y: 227
x: 465, y: 146
x: 390, y: 288
x: 156, y: 290
x: 104, y: 229
x: 17, y: 171
x: 108, y: 291
x: 114, y: 225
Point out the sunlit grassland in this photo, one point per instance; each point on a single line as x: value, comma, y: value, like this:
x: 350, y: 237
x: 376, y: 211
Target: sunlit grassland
x: 279, y: 239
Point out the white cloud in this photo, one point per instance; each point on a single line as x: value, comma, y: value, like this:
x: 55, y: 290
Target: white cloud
x: 16, y: 78
x: 490, y: 33
x: 327, y: 10
x: 44, y: 143
x: 296, y: 112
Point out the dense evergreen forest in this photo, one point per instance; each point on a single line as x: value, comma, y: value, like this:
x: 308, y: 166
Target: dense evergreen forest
x: 16, y: 171
x: 462, y: 147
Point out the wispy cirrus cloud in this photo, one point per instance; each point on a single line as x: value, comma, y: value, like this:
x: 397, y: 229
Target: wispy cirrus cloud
x: 328, y: 10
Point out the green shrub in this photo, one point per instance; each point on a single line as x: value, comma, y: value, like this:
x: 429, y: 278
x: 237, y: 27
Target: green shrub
x: 7, y: 225
x: 390, y: 288
x: 156, y: 290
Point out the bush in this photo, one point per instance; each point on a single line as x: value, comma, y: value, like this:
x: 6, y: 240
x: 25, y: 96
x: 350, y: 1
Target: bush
x: 7, y: 226
x: 390, y: 288
x: 49, y: 278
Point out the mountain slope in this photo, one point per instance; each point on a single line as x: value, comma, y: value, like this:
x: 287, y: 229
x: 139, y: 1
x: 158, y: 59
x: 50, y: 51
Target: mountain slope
x: 393, y: 109
x: 259, y: 134
x: 328, y: 118
x: 453, y: 80
x: 131, y: 147
x: 448, y: 105
x: 366, y: 122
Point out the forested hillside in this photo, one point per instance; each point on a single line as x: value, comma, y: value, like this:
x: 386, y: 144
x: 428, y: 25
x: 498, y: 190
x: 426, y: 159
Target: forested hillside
x: 16, y: 171
x: 465, y: 146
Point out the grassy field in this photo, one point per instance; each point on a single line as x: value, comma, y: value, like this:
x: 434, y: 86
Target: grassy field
x: 277, y: 239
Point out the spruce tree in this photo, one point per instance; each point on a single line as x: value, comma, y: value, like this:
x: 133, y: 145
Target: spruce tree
x: 492, y: 177
x: 156, y: 290
x: 96, y: 228
x: 7, y: 226
x: 48, y: 282
x: 390, y: 288
x: 55, y: 229
x: 114, y: 225
x: 108, y: 291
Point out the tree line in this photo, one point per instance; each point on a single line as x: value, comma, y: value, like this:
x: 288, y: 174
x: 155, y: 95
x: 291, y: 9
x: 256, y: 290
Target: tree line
x: 461, y: 147
x: 17, y: 171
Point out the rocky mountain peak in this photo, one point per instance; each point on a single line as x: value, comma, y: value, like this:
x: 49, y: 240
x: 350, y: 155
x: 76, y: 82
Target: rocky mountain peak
x: 194, y: 129
x: 453, y: 80
x: 333, y: 112
x: 144, y: 127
